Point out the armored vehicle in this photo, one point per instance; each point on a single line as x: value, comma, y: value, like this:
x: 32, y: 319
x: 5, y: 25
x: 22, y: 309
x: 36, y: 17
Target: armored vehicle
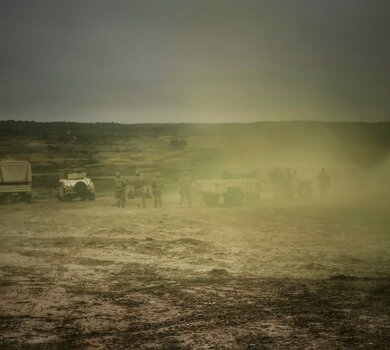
x: 15, y: 181
x: 76, y: 185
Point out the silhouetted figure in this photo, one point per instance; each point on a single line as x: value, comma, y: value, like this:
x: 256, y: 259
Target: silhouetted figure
x: 120, y: 186
x: 157, y: 187
x: 185, y: 189
x: 324, y: 182
x: 139, y: 189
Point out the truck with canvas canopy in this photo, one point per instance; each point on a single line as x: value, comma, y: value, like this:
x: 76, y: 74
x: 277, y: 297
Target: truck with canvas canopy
x: 15, y: 181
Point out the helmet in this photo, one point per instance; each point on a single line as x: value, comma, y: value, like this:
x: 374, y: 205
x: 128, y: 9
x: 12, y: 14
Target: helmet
x: 118, y: 174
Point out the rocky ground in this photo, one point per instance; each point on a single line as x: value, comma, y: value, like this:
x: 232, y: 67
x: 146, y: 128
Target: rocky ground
x: 87, y: 275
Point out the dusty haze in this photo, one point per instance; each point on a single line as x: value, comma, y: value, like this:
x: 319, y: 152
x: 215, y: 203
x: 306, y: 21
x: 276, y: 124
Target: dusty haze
x: 269, y: 272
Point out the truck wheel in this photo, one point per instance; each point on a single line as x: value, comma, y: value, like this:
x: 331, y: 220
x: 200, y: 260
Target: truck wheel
x: 27, y: 198
x: 61, y: 194
x: 81, y: 190
x: 210, y: 199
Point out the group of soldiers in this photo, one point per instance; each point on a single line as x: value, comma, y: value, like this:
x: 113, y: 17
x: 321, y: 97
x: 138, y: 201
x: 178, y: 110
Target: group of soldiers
x: 281, y: 180
x: 157, y: 186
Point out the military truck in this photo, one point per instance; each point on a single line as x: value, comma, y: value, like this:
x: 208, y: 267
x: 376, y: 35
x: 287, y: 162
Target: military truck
x: 76, y: 185
x: 15, y: 181
x: 268, y: 183
x: 284, y: 183
x: 230, y: 192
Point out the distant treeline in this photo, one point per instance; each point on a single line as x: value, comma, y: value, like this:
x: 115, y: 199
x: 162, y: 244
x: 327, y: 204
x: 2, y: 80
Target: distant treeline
x: 51, y: 130
x: 365, y: 144
x: 88, y: 132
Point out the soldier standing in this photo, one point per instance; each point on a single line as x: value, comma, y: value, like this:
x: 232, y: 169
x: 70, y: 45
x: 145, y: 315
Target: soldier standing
x: 185, y: 189
x: 323, y: 182
x: 157, y: 187
x: 139, y: 189
x: 120, y: 186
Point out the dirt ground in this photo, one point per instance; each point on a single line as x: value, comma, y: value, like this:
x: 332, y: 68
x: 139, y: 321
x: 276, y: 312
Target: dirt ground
x: 87, y: 275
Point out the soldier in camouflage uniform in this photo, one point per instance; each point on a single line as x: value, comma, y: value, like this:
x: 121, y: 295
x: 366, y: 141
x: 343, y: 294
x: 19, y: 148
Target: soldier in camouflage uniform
x: 185, y: 189
x: 139, y: 189
x: 157, y: 187
x: 120, y: 186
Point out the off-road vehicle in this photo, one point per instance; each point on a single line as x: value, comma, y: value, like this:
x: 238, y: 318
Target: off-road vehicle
x: 76, y: 185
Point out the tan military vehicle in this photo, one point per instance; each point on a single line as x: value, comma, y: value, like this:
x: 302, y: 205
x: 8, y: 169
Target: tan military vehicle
x: 268, y: 183
x: 76, y: 185
x: 284, y: 183
x: 15, y: 181
x: 229, y: 192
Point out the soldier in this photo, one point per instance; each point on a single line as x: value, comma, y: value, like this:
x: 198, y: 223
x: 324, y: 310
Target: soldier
x: 139, y: 189
x: 157, y: 186
x: 323, y: 182
x: 120, y: 186
x: 185, y: 188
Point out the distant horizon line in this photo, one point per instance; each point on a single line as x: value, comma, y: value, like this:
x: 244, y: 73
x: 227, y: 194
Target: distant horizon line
x: 197, y: 123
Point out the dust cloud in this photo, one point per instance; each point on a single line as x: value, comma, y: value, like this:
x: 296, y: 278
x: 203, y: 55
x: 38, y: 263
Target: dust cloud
x: 265, y: 253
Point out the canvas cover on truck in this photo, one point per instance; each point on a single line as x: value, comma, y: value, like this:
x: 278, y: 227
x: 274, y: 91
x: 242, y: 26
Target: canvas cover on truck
x: 15, y: 172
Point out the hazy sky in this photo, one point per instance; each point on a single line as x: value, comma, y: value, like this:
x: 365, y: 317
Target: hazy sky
x: 194, y: 60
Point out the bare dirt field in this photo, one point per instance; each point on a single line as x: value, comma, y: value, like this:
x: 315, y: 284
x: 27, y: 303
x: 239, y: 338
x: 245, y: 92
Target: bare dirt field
x: 87, y: 275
